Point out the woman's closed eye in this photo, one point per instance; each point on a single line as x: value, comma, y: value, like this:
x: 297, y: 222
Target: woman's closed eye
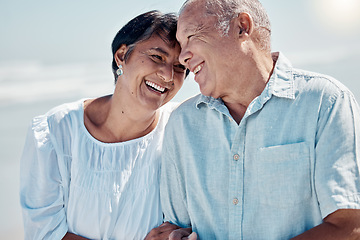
x: 157, y: 58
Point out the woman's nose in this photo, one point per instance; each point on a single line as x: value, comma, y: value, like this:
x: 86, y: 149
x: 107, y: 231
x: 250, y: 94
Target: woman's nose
x: 166, y: 73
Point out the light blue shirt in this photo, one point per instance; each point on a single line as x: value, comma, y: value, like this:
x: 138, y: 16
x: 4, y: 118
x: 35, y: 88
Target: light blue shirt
x: 291, y: 161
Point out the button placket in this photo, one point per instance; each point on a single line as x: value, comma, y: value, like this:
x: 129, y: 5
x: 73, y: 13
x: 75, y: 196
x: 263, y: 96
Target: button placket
x: 236, y: 190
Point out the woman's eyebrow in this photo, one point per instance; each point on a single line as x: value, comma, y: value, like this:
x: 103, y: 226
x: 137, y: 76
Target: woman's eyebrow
x: 158, y: 49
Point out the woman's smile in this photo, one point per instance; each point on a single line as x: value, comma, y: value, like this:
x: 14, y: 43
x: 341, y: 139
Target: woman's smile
x: 155, y: 87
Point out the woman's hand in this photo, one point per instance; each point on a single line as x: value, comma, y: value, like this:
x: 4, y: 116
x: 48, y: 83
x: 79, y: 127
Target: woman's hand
x: 161, y: 232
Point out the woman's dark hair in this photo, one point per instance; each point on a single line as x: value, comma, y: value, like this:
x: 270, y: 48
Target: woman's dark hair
x: 142, y: 28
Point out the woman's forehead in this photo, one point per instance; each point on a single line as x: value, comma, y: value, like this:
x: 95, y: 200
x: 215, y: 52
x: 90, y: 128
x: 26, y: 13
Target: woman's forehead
x: 160, y: 44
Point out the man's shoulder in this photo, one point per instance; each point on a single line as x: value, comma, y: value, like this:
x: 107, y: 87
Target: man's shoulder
x: 305, y: 80
x: 186, y: 112
x: 319, y: 82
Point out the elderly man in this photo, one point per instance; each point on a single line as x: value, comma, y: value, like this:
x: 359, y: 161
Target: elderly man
x: 266, y: 151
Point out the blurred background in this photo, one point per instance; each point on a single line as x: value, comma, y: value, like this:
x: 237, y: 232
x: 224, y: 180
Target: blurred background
x: 53, y: 52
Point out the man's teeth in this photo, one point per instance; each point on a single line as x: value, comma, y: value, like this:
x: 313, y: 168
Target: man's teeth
x: 197, y: 69
x: 155, y: 86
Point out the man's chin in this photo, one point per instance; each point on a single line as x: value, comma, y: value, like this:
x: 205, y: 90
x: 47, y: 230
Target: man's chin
x: 208, y: 94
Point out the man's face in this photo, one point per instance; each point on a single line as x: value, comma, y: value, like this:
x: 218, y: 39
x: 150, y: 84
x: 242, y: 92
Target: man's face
x: 208, y: 54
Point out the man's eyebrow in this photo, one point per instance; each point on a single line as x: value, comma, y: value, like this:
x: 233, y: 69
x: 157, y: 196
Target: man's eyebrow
x: 191, y: 28
x: 195, y: 28
x: 158, y: 49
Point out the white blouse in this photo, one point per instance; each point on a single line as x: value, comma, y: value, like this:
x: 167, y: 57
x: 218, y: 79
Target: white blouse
x: 71, y: 182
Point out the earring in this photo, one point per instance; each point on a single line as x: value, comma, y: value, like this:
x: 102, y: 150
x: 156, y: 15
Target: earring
x: 119, y: 71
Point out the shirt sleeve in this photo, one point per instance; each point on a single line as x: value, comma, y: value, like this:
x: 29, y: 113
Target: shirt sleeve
x: 172, y: 185
x: 41, y: 191
x: 337, y: 177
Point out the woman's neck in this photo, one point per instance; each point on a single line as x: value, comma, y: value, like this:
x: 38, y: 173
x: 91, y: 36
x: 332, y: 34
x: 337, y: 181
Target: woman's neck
x: 110, y: 121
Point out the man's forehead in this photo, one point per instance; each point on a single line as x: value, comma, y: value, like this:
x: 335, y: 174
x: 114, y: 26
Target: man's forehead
x: 188, y: 3
x: 189, y: 20
x: 187, y: 26
x: 191, y: 9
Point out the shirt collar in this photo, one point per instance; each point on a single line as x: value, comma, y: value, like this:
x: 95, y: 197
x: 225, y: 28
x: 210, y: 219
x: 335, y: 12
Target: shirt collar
x: 280, y: 84
x: 213, y: 103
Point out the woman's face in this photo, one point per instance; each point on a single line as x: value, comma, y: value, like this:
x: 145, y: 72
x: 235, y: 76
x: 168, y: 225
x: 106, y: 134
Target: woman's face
x: 152, y: 74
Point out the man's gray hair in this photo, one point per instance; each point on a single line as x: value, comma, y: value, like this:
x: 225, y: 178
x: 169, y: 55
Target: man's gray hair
x: 226, y: 10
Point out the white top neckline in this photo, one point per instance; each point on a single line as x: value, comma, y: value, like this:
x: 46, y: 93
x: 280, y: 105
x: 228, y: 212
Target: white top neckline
x: 105, y: 144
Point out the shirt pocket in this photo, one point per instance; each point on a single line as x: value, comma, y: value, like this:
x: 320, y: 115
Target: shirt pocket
x: 284, y: 174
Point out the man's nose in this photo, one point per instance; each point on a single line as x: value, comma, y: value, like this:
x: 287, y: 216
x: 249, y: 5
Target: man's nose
x: 185, y: 56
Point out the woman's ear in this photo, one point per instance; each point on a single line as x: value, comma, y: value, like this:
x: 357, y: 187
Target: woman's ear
x: 244, y: 24
x: 120, y: 55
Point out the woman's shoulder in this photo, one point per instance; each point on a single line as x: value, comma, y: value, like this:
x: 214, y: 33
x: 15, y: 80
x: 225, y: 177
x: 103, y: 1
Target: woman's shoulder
x: 56, y: 118
x: 165, y: 112
x: 169, y: 107
x: 62, y: 111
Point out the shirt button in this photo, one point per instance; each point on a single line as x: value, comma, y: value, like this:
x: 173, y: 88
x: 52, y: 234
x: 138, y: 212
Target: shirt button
x: 236, y: 157
x: 235, y: 201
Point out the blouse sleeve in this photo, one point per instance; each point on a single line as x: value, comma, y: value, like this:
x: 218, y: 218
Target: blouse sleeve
x: 41, y: 191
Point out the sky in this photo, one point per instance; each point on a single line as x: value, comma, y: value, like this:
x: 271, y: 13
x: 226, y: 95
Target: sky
x: 56, y: 51
x: 56, y: 44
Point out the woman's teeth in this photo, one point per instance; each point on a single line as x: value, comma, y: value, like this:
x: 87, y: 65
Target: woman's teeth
x: 155, y: 86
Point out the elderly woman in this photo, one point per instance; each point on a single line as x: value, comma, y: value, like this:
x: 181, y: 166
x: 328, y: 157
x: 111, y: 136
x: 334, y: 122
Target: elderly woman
x: 90, y: 169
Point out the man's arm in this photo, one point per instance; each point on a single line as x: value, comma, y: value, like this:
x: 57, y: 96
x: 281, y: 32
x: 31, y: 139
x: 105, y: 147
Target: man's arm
x: 341, y: 224
x: 172, y: 180
x: 337, y: 168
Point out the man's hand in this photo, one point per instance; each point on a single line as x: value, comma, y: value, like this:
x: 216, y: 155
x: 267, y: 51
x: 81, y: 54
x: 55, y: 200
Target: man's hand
x: 71, y: 236
x: 162, y: 232
x: 183, y: 234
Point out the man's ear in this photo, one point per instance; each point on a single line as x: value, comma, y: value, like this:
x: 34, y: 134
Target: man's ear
x: 244, y: 24
x: 119, y: 55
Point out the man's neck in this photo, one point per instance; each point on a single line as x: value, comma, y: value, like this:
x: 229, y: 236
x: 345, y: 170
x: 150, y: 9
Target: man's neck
x: 240, y: 97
